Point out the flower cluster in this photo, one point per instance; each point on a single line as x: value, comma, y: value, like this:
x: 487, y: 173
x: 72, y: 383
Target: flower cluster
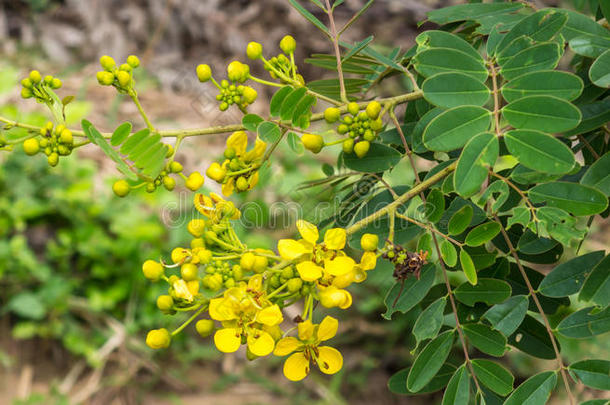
x: 239, y: 170
x: 244, y: 290
x: 232, y: 91
x: 55, y: 142
x: 362, y: 127
x: 120, y: 77
x: 38, y: 87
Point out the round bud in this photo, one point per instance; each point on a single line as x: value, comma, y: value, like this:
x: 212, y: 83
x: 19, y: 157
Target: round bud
x: 369, y: 242
x: 189, y: 272
x: 260, y: 264
x: 287, y: 273
x: 105, y: 78
x: 332, y: 114
x: 53, y: 159
x: 377, y: 124
x: 216, y: 172
x: 205, y: 327
x: 194, y: 181
x: 294, y: 285
x: 35, y: 76
x: 229, y: 153
x: 169, y: 183
x: 236, y: 71
x: 353, y: 108
x: 124, y: 78
x: 133, y: 61
x: 179, y: 255
x: 288, y: 44
x: 197, y: 243
x: 204, y: 73
x: 56, y: 83
x: 204, y: 256
x: 48, y: 79
x: 342, y: 129
x: 175, y: 167
x: 369, y: 135
x: 66, y: 136
x: 165, y: 303
x: 254, y: 50
x: 27, y: 83
x: 247, y: 261
x: 31, y: 146
x: 152, y: 270
x: 107, y: 62
x: 150, y: 187
x: 362, y: 148
x: 26, y: 93
x: 373, y: 109
x: 313, y: 142
x: 348, y: 146
x: 121, y: 188
x: 158, y: 339
x: 170, y: 150
x: 249, y: 94
x: 196, y: 227
x: 241, y: 184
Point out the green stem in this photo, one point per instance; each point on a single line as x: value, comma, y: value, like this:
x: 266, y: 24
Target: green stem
x: 191, y: 319
x: 265, y: 82
x: 134, y: 97
x: 277, y: 290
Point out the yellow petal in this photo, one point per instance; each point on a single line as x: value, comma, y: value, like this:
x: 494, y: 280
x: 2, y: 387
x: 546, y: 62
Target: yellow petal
x: 329, y: 359
x: 203, y: 204
x: 296, y: 367
x: 328, y: 328
x: 216, y: 198
x: 290, y: 249
x: 335, y: 238
x: 228, y: 187
x: 344, y: 280
x: 286, y: 346
x: 305, y: 329
x: 347, y: 300
x: 181, y: 290
x: 238, y: 141
x: 359, y: 274
x: 227, y: 340
x: 257, y: 152
x: 220, y: 311
x: 339, y: 265
x: 308, y: 231
x: 253, y: 181
x: 270, y: 316
x: 256, y: 282
x: 309, y: 271
x: 368, y: 261
x: 260, y: 343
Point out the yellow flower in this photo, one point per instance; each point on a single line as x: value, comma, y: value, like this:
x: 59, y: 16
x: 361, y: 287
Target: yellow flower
x: 215, y: 206
x: 317, y: 259
x: 332, y: 296
x: 307, y: 349
x: 237, y: 143
x: 245, y: 313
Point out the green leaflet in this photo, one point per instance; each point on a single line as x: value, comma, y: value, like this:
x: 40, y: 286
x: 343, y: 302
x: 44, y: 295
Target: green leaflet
x: 555, y: 83
x: 539, y: 151
x: 478, y: 155
x: 453, y: 128
x: 542, y: 113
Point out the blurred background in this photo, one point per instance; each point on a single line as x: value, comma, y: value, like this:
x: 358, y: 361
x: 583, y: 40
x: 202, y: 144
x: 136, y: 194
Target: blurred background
x: 74, y: 307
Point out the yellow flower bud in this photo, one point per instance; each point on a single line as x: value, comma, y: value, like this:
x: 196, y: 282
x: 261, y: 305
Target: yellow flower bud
x: 194, y: 181
x: 288, y: 44
x: 369, y: 242
x: 197, y: 243
x: 107, y: 62
x: 31, y: 146
x: 180, y: 254
x: 165, y: 303
x: 189, y: 272
x: 152, y: 270
x: 53, y: 159
x: 204, y: 256
x: 105, y: 78
x: 260, y: 264
x: 175, y: 167
x: 247, y: 261
x: 124, y: 78
x: 35, y: 76
x: 205, y: 327
x: 332, y: 114
x: 373, y: 109
x: 313, y: 142
x: 158, y: 339
x: 66, y: 137
x: 204, y: 73
x: 196, y: 227
x: 216, y: 172
x: 121, y: 188
x: 353, y: 108
x: 362, y: 148
x: 133, y: 61
x: 348, y: 146
x: 254, y: 50
x: 169, y: 183
x: 249, y: 94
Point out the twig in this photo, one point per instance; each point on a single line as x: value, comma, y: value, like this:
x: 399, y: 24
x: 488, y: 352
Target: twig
x: 335, y: 40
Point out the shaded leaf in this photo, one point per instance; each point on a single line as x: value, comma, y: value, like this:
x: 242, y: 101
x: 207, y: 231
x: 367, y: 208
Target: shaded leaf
x: 539, y: 151
x: 429, y: 361
x: 585, y: 323
x: 542, y: 113
x: 597, y: 285
x: 508, y: 315
x: 574, y: 198
x: 488, y: 290
x: 555, y: 83
x: 592, y: 373
x: 379, y: 158
x: 478, y: 155
x: 535, y: 390
x: 493, y: 376
x: 485, y: 339
x: 458, y: 389
x: 567, y: 278
x: 413, y: 292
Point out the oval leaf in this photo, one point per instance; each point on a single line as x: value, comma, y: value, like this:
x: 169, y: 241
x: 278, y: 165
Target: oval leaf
x: 535, y: 390
x: 592, y: 373
x: 429, y: 361
x: 485, y: 339
x: 482, y: 233
x: 453, y: 128
x: 449, y: 253
x: 468, y: 267
x: 543, y: 113
x: 493, y: 376
x: 543, y: 56
x: 598, y: 175
x: 441, y: 60
x: 120, y: 134
x: 458, y: 389
x: 599, y: 73
x: 479, y: 153
x: 454, y: 89
x: 268, y: 132
x: 488, y: 290
x: 507, y: 316
x: 460, y: 220
x: 597, y: 286
x: 585, y: 323
x: 429, y: 322
x: 548, y: 82
x: 567, y: 278
x: 539, y: 151
x: 574, y: 198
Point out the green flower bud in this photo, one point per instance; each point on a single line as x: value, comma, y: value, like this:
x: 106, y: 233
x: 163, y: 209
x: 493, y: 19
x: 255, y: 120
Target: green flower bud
x: 169, y: 183
x: 353, y: 108
x: 348, y: 146
x: 121, y: 188
x: 35, y: 76
x: 175, y: 167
